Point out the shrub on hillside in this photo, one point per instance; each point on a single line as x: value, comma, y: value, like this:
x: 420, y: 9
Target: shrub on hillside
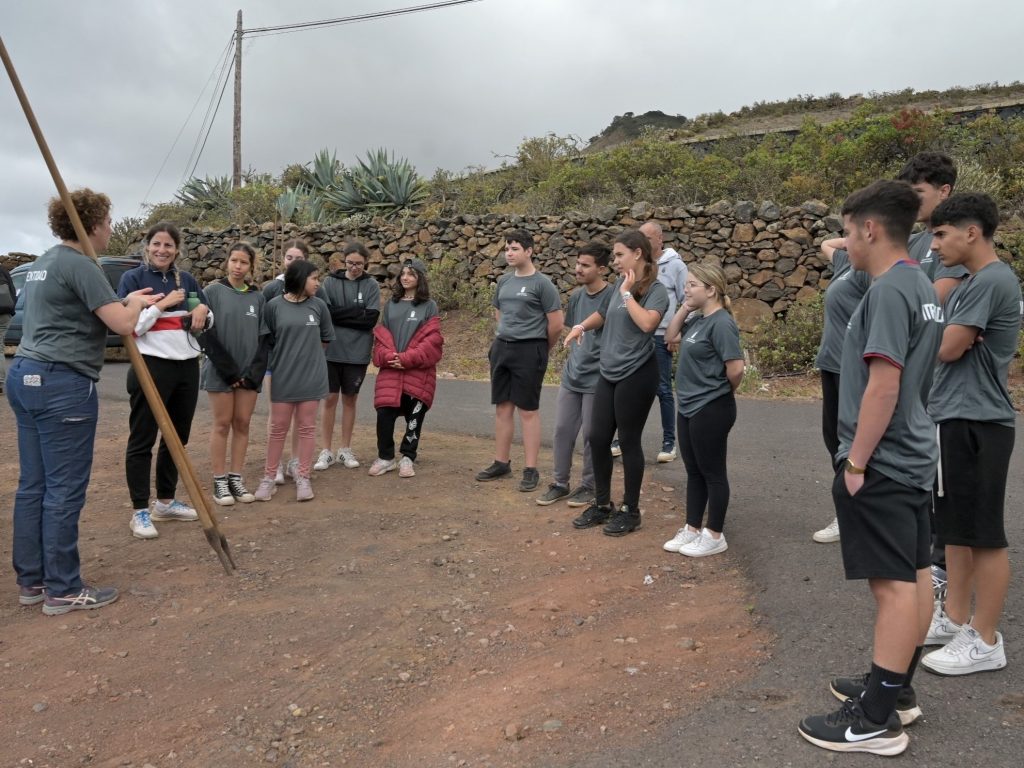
x: 789, y: 345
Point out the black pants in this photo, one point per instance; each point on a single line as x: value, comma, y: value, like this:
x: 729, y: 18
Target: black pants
x: 623, y: 406
x: 177, y: 381
x: 830, y: 414
x: 413, y: 411
x: 703, y: 443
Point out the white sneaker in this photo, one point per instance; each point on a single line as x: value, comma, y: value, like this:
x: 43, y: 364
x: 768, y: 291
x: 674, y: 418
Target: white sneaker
x: 324, y: 460
x: 942, y: 629
x: 616, y: 449
x: 176, y: 510
x: 291, y: 469
x: 683, y: 537
x: 666, y: 456
x: 828, y: 534
x: 266, y: 489
x: 141, y: 525
x: 303, y: 489
x: 965, y: 654
x: 279, y: 477
x: 380, y: 466
x: 406, y: 468
x: 705, y: 544
x: 346, y: 457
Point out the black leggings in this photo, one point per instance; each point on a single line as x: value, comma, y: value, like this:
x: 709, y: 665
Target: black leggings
x: 703, y: 443
x: 177, y: 381
x: 413, y: 411
x: 624, y: 406
x: 830, y: 413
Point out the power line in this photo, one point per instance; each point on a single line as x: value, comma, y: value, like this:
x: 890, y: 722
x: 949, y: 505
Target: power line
x: 210, y: 127
x: 286, y: 28
x: 211, y: 111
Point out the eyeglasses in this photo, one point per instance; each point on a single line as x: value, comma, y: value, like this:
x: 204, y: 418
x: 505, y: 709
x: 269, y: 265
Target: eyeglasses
x: 354, y: 264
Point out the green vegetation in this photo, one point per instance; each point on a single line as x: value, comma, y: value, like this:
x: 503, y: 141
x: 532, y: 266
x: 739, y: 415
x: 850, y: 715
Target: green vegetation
x: 789, y: 345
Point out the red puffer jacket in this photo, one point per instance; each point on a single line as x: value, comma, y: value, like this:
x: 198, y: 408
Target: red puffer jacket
x: 418, y: 375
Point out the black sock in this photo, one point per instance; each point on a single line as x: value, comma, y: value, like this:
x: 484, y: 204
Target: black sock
x: 879, y: 700
x: 909, y: 677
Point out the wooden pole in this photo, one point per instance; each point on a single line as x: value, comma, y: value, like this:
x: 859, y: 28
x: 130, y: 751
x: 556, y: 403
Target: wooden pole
x: 213, y: 535
x: 236, y: 143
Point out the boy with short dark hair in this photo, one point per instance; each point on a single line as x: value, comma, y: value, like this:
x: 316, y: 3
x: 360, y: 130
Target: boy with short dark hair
x: 971, y: 404
x: 887, y: 456
x: 528, y: 310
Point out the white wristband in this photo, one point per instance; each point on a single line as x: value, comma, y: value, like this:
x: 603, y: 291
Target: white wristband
x: 581, y: 328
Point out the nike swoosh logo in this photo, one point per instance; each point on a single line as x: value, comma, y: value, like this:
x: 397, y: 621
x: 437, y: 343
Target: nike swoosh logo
x: 851, y: 736
x: 891, y: 685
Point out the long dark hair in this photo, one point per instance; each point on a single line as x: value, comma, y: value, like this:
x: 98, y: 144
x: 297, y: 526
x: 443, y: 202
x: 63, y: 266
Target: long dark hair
x: 422, y: 288
x: 634, y: 239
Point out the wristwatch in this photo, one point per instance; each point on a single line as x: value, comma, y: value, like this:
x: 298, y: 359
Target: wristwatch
x: 626, y: 295
x: 853, y: 469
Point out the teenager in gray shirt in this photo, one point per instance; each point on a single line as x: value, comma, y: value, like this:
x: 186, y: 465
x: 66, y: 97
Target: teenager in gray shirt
x: 882, y: 489
x: 296, y: 326
x: 971, y: 404
x: 575, y: 404
x: 233, y: 370
x: 628, y: 381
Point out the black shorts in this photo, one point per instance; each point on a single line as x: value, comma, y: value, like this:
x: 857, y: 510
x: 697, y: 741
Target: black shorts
x: 883, y: 530
x: 346, y: 378
x: 517, y: 372
x: 975, y: 463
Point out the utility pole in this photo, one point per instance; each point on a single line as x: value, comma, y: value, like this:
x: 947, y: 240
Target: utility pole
x: 236, y: 178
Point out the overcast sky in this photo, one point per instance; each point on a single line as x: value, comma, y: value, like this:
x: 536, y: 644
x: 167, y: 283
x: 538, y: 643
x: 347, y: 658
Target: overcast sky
x: 112, y: 81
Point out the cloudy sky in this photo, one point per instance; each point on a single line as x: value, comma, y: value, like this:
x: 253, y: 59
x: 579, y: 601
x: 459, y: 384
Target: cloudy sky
x: 113, y: 81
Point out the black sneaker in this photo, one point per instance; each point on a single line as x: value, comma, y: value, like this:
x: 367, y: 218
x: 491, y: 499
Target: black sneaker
x: 493, y: 472
x: 581, y: 497
x: 530, y: 481
x: 939, y: 579
x: 592, y: 515
x: 553, y: 494
x: 221, y: 492
x: 87, y: 599
x: 238, y: 490
x: 625, y: 520
x: 844, y: 688
x: 848, y: 730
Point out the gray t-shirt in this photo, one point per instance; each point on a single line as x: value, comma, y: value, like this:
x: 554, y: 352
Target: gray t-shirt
x: 898, y: 320
x: 582, y: 364
x: 624, y: 347
x: 919, y: 246
x: 274, y: 288
x: 974, y: 387
x: 297, y: 358
x: 238, y: 316
x: 524, y: 303
x: 63, y: 290
x: 404, y: 318
x: 350, y: 345
x: 841, y: 297
x: 708, y: 342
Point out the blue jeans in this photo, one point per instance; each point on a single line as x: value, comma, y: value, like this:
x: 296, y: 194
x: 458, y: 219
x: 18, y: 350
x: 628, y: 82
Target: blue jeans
x: 56, y: 409
x: 666, y: 397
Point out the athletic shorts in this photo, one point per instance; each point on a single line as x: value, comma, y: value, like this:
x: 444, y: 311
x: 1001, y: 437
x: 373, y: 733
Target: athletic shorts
x: 346, y: 378
x: 517, y: 372
x: 975, y: 463
x: 884, y: 530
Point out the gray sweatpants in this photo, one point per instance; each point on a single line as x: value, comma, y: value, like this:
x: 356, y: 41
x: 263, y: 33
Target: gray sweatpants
x: 572, y: 411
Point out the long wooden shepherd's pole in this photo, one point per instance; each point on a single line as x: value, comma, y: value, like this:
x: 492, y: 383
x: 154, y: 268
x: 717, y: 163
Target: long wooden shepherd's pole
x: 170, y: 435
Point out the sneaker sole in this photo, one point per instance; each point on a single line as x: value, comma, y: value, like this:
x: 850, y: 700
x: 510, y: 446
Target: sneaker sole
x: 623, y: 532
x: 886, y: 747
x: 825, y: 539
x: 577, y: 504
x: 706, y: 554
x: 378, y: 473
x: 480, y: 479
x: 62, y: 609
x: 164, y: 519
x: 245, y: 499
x: 31, y: 600
x: 224, y: 502
x: 548, y: 502
x: 961, y: 671
x: 666, y: 459
x: 527, y: 488
x: 907, y: 716
x: 584, y: 526
x: 145, y: 536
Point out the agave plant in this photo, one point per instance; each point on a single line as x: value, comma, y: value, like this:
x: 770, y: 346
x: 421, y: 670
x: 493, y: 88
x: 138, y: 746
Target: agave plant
x: 205, y: 194
x: 380, y: 184
x: 323, y: 173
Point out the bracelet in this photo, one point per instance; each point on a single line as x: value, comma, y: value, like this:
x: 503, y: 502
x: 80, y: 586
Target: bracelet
x: 626, y: 296
x: 580, y: 326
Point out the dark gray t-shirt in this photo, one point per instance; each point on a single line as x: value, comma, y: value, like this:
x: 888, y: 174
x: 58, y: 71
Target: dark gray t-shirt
x: 582, y: 364
x: 920, y: 248
x: 707, y: 343
x: 842, y: 296
x: 974, y: 387
x: 63, y: 290
x: 900, y: 321
x: 238, y: 316
x: 624, y: 347
x: 403, y: 319
x: 274, y: 288
x: 297, y: 359
x: 524, y: 303
x: 350, y: 345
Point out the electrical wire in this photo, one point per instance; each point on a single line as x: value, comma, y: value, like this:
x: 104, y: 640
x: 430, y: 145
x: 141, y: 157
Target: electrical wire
x: 211, y: 113
x: 286, y: 28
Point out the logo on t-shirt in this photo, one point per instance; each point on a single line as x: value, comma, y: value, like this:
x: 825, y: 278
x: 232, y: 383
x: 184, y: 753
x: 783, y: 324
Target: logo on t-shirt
x: 252, y: 311
x: 522, y: 290
x: 932, y: 312
x: 692, y: 338
x: 312, y: 321
x: 927, y: 258
x: 412, y: 315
